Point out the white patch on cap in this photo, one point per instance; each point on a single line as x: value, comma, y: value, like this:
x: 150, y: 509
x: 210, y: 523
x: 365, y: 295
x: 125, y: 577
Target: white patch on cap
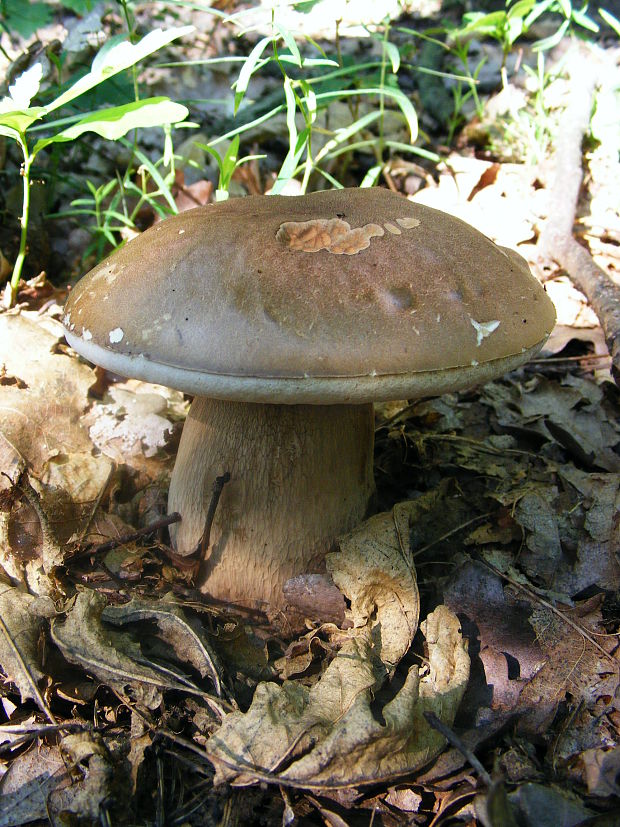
x: 331, y: 234
x: 86, y: 334
x: 181, y: 232
x: 408, y: 223
x: 392, y: 228
x: 483, y: 329
x: 116, y: 335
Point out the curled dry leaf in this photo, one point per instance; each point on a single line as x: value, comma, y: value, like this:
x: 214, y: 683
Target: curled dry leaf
x: 39, y: 423
x: 189, y: 644
x: 21, y: 615
x: 113, y: 657
x: 84, y: 798
x: 330, y: 736
x: 374, y: 569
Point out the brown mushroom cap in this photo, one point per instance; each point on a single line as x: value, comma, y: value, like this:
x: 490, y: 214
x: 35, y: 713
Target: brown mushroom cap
x: 341, y: 296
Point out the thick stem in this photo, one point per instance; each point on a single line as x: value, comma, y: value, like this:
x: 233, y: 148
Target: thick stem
x: 300, y: 476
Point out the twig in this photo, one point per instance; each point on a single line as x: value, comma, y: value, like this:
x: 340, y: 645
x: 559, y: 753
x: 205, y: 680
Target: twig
x: 556, y: 239
x: 175, y: 517
x: 531, y: 593
x: 456, y: 742
x: 28, y: 733
x: 216, y: 493
x: 449, y: 534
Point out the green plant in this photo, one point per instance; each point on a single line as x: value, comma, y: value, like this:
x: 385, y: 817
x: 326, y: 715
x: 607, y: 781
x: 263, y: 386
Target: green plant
x: 305, y: 95
x: 18, y: 117
x: 227, y: 164
x: 506, y: 26
x: 26, y: 17
x: 113, y: 206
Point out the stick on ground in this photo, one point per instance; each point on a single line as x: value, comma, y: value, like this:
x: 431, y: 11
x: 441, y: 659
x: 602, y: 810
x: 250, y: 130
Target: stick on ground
x: 556, y: 239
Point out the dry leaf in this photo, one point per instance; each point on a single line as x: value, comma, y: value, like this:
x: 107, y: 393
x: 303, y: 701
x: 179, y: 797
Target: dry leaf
x: 330, y: 736
x: 189, y: 643
x: 374, y: 569
x: 28, y: 783
x: 113, y: 657
x: 21, y: 615
x: 39, y: 424
x: 84, y: 798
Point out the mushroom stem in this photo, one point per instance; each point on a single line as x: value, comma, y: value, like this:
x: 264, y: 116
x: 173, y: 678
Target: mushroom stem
x: 300, y: 476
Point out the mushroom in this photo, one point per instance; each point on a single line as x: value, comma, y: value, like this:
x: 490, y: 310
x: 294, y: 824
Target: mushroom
x: 286, y: 318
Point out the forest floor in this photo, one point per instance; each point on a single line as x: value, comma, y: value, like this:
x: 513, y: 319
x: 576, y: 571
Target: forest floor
x: 130, y: 698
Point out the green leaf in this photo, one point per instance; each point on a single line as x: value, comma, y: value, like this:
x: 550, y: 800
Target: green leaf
x: 146, y: 162
x: 305, y: 6
x: 566, y: 7
x: 116, y: 122
x: 520, y: 9
x: 23, y: 90
x: 20, y: 120
x: 290, y: 42
x: 397, y: 95
x: 371, y: 177
x: 391, y: 49
x: 229, y: 163
x: 9, y: 133
x: 538, y: 10
x: 345, y: 133
x: 414, y: 150
x: 582, y: 19
x: 117, y: 57
x: 289, y: 165
x: 553, y: 40
x: 610, y: 20
x: 25, y: 18
x: 248, y: 69
x: 290, y: 111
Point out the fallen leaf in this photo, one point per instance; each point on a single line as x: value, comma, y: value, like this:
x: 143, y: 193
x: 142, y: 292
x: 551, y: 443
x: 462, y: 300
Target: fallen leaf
x: 22, y: 619
x: 330, y: 735
x: 28, y: 783
x: 40, y: 429
x: 115, y: 658
x: 83, y: 798
x: 374, y: 569
x: 189, y: 643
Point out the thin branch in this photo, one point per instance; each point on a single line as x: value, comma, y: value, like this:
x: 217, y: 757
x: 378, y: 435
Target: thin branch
x: 216, y: 493
x: 556, y: 239
x: 579, y: 629
x: 456, y: 742
x: 103, y: 548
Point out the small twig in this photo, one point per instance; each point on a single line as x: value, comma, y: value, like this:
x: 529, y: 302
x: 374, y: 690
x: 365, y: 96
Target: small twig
x: 531, y: 593
x: 456, y: 742
x: 216, y: 493
x: 449, y: 534
x: 103, y: 548
x: 28, y: 733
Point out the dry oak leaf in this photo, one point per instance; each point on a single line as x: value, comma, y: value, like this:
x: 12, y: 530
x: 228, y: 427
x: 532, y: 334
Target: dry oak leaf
x: 115, y: 658
x: 21, y: 615
x: 329, y: 736
x: 189, y: 643
x: 374, y: 569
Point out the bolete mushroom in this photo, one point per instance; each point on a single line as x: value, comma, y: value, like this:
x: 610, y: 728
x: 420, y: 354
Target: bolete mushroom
x: 286, y: 318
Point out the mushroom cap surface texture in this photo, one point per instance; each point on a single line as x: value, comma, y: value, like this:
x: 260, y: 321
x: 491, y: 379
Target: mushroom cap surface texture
x: 342, y: 296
